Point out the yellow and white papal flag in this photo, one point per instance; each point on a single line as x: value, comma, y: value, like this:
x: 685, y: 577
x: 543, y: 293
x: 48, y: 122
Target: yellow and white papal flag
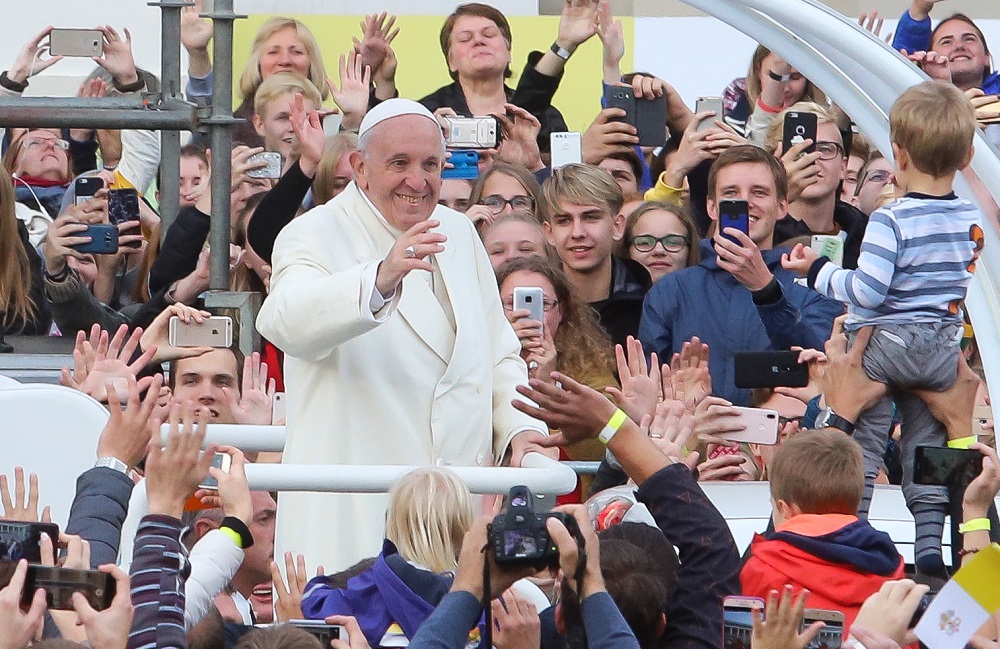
x: 964, y: 604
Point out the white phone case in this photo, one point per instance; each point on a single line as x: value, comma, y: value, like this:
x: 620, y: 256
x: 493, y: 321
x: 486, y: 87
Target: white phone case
x: 713, y: 104
x: 567, y: 148
x: 216, y: 331
x: 530, y: 298
x: 760, y: 426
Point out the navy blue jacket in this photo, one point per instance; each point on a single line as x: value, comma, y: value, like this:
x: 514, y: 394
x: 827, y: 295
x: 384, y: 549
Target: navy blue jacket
x: 706, y: 301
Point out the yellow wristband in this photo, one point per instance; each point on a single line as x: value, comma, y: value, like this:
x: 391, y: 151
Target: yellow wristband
x: 234, y: 535
x: 975, y: 525
x: 962, y: 442
x: 612, y: 426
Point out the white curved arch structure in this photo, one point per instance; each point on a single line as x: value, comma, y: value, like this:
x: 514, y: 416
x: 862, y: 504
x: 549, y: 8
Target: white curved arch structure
x: 865, y: 76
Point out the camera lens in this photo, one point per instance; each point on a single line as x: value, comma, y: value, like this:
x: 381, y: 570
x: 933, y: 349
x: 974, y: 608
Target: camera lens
x: 528, y: 298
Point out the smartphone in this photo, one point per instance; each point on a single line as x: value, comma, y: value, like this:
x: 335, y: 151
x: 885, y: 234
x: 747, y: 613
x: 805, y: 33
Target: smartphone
x: 324, y: 632
x: 769, y: 369
x: 103, y: 240
x: 123, y: 206
x: 705, y: 104
x: 85, y: 187
x: 830, y: 246
x: 936, y: 465
x: 734, y: 214
x: 473, y: 132
x: 651, y: 121
x: 737, y: 622
x: 20, y: 540
x: 530, y: 298
x: 566, y: 148
x: 273, y: 168
x: 799, y: 127
x: 76, y: 42
x: 830, y: 636
x: 278, y: 409
x: 621, y: 97
x: 59, y: 585
x: 760, y: 426
x: 216, y: 331
x: 221, y: 461
x: 981, y: 417
x: 465, y: 165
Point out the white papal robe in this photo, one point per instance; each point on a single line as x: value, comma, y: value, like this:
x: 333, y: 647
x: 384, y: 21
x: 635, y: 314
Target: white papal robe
x: 402, y: 386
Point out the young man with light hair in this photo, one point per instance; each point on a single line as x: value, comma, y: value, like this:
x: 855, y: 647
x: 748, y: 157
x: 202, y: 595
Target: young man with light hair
x: 272, y: 112
x: 581, y: 207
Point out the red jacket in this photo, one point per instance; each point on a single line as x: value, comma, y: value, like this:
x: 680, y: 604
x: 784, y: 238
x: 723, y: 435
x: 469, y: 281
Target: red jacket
x: 840, y: 559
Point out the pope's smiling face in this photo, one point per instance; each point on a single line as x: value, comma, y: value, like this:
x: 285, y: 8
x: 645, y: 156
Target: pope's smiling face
x: 398, y: 166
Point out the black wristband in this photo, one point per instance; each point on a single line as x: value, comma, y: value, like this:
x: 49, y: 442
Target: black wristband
x: 135, y: 86
x: 562, y: 53
x: 12, y: 85
x: 238, y: 526
x: 767, y: 295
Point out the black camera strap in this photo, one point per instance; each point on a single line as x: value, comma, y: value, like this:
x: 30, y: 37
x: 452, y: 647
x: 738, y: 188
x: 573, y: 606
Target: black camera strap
x: 487, y: 640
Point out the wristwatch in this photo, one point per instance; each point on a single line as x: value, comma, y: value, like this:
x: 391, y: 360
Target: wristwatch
x: 561, y: 52
x: 829, y: 419
x: 112, y: 463
x: 783, y: 78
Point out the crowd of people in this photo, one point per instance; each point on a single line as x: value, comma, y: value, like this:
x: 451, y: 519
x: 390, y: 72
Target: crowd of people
x: 393, y: 332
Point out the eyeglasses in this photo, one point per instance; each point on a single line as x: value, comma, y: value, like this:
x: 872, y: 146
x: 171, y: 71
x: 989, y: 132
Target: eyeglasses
x: 548, y: 304
x: 35, y: 143
x: 783, y: 421
x: 497, y: 203
x: 829, y: 150
x: 877, y: 176
x: 670, y: 243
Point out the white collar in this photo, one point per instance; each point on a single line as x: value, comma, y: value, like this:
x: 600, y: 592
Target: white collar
x: 395, y: 232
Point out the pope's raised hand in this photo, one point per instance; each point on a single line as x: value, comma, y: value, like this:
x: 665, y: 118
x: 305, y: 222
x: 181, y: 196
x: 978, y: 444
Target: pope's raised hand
x: 409, y: 253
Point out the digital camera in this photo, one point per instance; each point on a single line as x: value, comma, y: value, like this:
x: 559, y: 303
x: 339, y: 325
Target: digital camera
x: 519, y: 536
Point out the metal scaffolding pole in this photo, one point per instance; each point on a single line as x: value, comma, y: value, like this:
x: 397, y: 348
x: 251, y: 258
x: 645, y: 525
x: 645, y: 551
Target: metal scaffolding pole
x: 119, y: 113
x: 221, y: 138
x: 168, y: 182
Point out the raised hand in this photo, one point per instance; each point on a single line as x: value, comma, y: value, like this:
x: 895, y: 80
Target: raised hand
x: 577, y: 23
x: 816, y: 361
x: 117, y: 57
x: 606, y: 135
x: 780, y: 624
x: 670, y: 429
x: 612, y: 37
x: 408, y: 254
x: 19, y: 508
x: 173, y: 473
x: 517, y: 623
x: 937, y: 66
x: 375, y: 46
x: 872, y: 22
x: 233, y: 493
x: 289, y: 603
x: 33, y: 58
x: 109, y: 362
x: 641, y: 388
x: 520, y: 138
x: 255, y: 402
x: 196, y: 32
x: 577, y: 411
x: 108, y: 629
x: 799, y: 260
x: 352, y: 95
x: 19, y: 627
x: 690, y: 375
x: 128, y: 431
x: 713, y: 418
x: 157, y: 335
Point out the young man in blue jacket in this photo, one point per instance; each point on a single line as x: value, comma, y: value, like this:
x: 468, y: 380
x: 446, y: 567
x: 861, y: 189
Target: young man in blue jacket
x: 739, y: 298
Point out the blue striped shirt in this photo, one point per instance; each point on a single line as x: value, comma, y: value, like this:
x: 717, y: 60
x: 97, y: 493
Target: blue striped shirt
x: 917, y: 259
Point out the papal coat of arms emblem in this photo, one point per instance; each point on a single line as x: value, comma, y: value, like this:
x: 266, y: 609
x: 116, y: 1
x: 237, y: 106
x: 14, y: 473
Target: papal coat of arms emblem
x: 950, y: 622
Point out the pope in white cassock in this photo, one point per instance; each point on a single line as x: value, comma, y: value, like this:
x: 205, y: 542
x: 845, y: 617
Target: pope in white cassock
x: 397, y: 349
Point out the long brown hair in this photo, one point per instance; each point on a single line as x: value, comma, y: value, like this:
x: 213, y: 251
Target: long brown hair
x: 811, y: 92
x: 337, y: 146
x: 583, y: 347
x: 15, y: 271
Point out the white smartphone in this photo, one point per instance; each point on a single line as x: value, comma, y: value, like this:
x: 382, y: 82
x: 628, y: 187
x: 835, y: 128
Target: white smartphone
x: 830, y: 246
x: 278, y: 409
x: 705, y: 104
x: 567, y: 148
x: 273, y: 168
x: 76, y: 42
x: 530, y: 298
x: 221, y: 461
x: 473, y: 132
x: 216, y: 331
x: 760, y: 426
x: 322, y: 631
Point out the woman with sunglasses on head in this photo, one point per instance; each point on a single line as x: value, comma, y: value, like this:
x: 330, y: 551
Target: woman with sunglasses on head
x: 662, y: 237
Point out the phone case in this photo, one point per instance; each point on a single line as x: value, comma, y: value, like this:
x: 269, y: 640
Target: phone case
x: 59, y: 585
x: 830, y: 246
x: 465, y: 166
x: 936, y: 465
x: 832, y: 634
x: 734, y: 214
x: 473, y: 132
x: 737, y: 622
x: 216, y: 331
x: 278, y: 409
x: 20, y: 539
x: 273, y: 168
x: 76, y: 42
x: 797, y: 128
x: 769, y: 369
x: 322, y: 631
x: 85, y: 187
x: 566, y: 148
x: 624, y: 98
x: 713, y: 104
x: 530, y: 298
x: 760, y: 426
x: 103, y: 240
x: 651, y: 121
x: 221, y: 461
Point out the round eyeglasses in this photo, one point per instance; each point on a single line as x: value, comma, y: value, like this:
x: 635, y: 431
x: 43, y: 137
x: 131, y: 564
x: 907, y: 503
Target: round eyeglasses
x: 670, y: 243
x: 518, y: 203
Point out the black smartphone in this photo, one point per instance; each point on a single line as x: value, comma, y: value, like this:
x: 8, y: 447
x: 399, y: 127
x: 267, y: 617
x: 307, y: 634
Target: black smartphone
x: 937, y: 465
x: 734, y: 214
x: 799, y: 127
x: 59, y: 585
x: 622, y: 97
x: 651, y: 121
x: 20, y: 540
x: 123, y: 206
x: 103, y: 239
x: 770, y: 369
x: 85, y: 187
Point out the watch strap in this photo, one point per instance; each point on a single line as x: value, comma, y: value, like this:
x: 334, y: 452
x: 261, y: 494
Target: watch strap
x: 561, y: 52
x: 110, y: 462
x: 10, y: 84
x: 830, y: 419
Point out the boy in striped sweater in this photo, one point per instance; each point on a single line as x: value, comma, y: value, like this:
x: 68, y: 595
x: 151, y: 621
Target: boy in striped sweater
x: 917, y: 259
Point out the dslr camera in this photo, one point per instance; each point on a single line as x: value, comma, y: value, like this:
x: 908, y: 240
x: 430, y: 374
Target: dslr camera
x: 519, y: 537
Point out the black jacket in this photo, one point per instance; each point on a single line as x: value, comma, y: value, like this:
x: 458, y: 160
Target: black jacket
x: 276, y: 210
x: 621, y: 311
x: 534, y: 94
x: 179, y: 253
x: 849, y: 218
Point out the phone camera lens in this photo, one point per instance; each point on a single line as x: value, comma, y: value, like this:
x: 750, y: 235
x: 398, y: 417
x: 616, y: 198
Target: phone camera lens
x: 527, y: 298
x: 800, y: 130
